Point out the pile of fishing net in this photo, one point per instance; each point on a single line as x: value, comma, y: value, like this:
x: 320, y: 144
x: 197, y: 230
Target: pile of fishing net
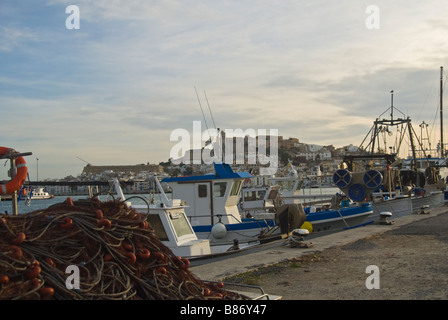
x: 109, y: 245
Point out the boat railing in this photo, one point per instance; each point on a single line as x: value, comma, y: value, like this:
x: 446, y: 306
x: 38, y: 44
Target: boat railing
x: 251, y: 291
x: 219, y: 216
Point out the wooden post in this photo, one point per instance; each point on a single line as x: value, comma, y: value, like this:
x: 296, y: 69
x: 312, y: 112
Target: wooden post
x: 15, y: 210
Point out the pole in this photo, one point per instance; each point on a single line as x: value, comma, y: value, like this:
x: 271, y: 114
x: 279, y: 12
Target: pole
x: 15, y: 210
x: 442, y: 149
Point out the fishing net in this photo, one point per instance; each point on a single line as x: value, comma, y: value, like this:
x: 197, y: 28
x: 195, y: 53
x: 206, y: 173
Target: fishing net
x: 109, y: 245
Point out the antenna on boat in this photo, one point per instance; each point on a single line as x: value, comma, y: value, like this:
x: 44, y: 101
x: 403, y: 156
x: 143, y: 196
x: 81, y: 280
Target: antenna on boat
x: 200, y: 105
x: 392, y: 105
x: 442, y: 151
x: 210, y: 110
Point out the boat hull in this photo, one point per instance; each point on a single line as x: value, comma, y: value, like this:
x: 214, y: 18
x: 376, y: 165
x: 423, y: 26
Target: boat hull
x: 408, y: 205
x: 249, y: 230
x: 333, y: 220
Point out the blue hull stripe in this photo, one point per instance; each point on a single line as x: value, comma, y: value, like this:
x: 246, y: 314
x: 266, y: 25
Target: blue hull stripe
x: 316, y: 217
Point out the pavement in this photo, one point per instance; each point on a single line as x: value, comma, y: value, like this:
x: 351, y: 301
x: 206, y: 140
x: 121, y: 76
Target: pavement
x: 276, y: 252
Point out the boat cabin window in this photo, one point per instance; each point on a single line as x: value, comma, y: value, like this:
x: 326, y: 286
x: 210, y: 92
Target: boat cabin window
x: 254, y: 195
x: 156, y: 224
x: 180, y: 224
x: 285, y: 185
x: 202, y: 191
x: 219, y: 189
x: 235, y: 188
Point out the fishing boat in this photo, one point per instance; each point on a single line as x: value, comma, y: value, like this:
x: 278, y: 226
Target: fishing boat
x: 336, y: 213
x: 40, y: 194
x: 169, y: 222
x: 212, y: 206
x: 409, y: 185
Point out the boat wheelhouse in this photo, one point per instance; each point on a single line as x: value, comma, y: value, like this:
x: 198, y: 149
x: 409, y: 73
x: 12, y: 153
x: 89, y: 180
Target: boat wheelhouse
x: 212, y: 206
x: 170, y: 223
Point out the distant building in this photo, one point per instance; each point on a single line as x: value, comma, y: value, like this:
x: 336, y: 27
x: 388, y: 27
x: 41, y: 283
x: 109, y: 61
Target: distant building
x: 94, y: 170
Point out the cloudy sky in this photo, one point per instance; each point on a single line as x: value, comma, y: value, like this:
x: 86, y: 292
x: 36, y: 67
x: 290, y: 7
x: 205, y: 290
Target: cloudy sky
x: 112, y: 91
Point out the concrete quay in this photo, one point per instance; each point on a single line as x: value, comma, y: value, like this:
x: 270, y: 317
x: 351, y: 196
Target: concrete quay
x: 276, y: 251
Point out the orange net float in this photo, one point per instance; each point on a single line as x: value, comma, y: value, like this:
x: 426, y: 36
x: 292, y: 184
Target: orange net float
x: 144, y: 224
x: 69, y: 201
x: 106, y: 223
x: 20, y: 176
x: 19, y: 238
x: 183, y: 263
x: 99, y: 214
x: 4, y: 279
x: 16, y: 252
x: 131, y: 258
x: 66, y: 223
x: 34, y: 271
x: 158, y: 255
x: 46, y: 291
x: 143, y: 253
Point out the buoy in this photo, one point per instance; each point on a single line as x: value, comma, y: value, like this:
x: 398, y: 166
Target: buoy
x: 99, y: 214
x: 104, y: 223
x: 46, y: 291
x: 158, y: 255
x: 161, y: 270
x: 19, y: 238
x: 16, y: 252
x: 184, y: 263
x: 4, y: 279
x: 66, y: 223
x: 50, y: 262
x: 131, y: 257
x: 34, y: 272
x: 20, y: 177
x: 128, y: 247
x: 144, y: 224
x: 143, y: 253
x: 107, y: 258
x: 219, y: 230
x: 308, y: 226
x: 69, y: 201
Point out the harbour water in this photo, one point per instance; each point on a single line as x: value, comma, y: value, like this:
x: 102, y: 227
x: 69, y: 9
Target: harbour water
x: 23, y: 208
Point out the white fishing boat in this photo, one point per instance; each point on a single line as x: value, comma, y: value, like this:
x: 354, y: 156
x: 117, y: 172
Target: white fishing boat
x: 170, y: 223
x: 410, y: 184
x: 212, y: 207
x: 40, y: 194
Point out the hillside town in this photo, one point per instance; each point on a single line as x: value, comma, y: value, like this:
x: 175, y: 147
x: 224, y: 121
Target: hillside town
x: 307, y: 159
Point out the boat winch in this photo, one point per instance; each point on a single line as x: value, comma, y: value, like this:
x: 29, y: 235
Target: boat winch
x: 356, y: 185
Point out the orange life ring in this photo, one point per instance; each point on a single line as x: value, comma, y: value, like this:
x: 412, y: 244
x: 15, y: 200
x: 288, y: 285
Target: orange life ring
x: 20, y: 177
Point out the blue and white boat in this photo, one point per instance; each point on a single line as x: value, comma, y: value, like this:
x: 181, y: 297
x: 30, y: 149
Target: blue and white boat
x: 212, y: 206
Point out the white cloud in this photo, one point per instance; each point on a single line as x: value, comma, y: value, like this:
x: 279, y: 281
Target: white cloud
x: 310, y: 69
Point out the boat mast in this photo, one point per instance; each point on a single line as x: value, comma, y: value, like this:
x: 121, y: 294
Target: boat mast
x: 442, y: 148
